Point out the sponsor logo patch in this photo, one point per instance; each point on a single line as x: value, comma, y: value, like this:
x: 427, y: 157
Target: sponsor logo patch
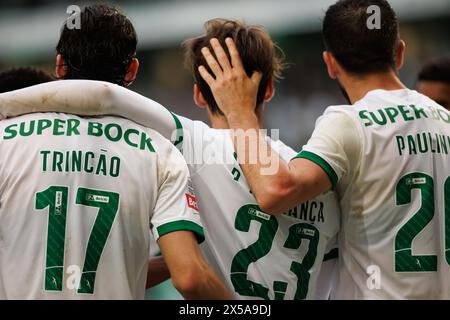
x: 192, y: 202
x: 259, y: 214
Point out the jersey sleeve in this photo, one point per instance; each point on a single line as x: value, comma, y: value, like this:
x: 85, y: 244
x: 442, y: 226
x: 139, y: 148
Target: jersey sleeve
x: 149, y: 113
x: 285, y: 152
x: 89, y: 98
x: 185, y: 134
x: 335, y: 144
x: 176, y: 206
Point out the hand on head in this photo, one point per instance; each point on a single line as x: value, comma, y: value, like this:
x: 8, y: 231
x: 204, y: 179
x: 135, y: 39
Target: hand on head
x: 233, y: 90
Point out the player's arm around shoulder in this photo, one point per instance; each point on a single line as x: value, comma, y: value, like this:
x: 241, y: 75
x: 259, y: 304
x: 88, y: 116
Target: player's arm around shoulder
x: 276, y: 185
x: 89, y: 98
x: 304, y: 181
x: 82, y: 97
x: 333, y: 150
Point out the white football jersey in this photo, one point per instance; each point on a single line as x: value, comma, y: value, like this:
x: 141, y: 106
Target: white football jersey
x: 78, y: 197
x: 388, y: 156
x: 257, y: 255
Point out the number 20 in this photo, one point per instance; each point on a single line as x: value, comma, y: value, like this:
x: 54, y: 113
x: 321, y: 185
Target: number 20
x: 405, y: 261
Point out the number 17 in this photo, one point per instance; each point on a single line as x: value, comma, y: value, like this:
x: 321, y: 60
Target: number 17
x: 56, y: 198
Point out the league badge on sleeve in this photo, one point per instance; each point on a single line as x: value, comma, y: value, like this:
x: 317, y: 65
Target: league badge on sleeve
x: 191, y: 198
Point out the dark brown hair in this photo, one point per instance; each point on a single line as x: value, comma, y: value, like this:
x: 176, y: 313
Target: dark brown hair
x: 436, y: 70
x: 359, y: 49
x: 18, y: 78
x: 102, y: 49
x: 257, y: 50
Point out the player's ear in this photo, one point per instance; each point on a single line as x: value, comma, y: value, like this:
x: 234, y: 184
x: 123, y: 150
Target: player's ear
x: 400, y: 54
x: 270, y: 90
x: 132, y: 71
x: 331, y: 64
x: 61, y: 67
x: 198, y: 98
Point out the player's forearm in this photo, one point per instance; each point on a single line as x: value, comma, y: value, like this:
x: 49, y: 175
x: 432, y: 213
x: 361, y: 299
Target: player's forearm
x: 157, y: 272
x: 208, y: 287
x: 197, y: 281
x: 88, y: 98
x: 191, y: 275
x: 70, y: 96
x: 140, y: 109
x: 267, y: 174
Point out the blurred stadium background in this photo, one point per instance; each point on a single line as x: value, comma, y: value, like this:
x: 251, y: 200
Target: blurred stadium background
x: 29, y: 30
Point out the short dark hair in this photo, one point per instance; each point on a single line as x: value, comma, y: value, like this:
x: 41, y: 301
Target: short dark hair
x: 257, y: 50
x: 436, y: 70
x: 359, y: 49
x: 19, y: 78
x: 102, y: 49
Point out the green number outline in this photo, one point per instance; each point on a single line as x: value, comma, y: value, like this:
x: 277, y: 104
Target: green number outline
x: 56, y: 234
x: 447, y: 219
x: 262, y: 246
x: 297, y: 233
x: 404, y: 260
x: 99, y: 233
x: 255, y: 251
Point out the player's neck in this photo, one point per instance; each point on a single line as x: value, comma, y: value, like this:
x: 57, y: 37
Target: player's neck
x: 220, y: 122
x: 358, y: 87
